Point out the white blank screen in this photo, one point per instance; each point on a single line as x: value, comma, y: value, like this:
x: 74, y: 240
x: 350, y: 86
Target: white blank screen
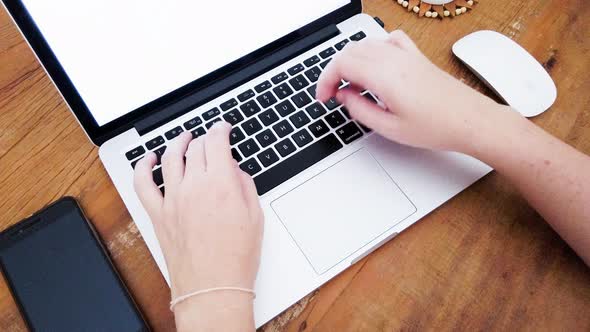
x: 123, y: 54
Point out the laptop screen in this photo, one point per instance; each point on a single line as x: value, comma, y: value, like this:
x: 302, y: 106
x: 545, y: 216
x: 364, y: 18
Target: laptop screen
x: 121, y: 55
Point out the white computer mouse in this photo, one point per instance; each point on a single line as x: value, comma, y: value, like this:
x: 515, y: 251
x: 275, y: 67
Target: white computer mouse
x: 509, y: 70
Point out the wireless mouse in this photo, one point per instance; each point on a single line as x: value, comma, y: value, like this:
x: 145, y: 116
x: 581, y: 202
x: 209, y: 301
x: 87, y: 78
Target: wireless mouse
x: 509, y: 70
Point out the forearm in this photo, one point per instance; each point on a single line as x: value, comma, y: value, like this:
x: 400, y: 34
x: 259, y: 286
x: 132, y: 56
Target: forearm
x: 220, y: 311
x: 552, y: 176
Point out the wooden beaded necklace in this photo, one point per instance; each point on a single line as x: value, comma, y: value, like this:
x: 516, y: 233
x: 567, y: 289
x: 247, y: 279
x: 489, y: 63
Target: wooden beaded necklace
x: 437, y: 8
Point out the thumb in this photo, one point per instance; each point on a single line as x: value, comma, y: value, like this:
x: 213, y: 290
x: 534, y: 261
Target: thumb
x: 367, y: 112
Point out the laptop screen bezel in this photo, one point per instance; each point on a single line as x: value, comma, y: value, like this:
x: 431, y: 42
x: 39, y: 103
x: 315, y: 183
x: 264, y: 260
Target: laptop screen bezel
x: 100, y: 134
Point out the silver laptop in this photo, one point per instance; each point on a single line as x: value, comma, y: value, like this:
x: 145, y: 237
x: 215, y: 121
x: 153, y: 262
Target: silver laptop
x: 138, y: 73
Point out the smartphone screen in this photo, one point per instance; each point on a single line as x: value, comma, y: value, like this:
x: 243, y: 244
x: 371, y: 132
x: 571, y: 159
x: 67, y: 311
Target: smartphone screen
x: 61, y: 277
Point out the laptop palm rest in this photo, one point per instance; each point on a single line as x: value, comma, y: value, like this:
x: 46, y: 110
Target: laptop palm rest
x: 341, y: 210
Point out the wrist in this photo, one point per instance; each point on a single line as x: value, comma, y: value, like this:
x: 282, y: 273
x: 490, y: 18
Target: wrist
x: 490, y: 129
x: 222, y: 310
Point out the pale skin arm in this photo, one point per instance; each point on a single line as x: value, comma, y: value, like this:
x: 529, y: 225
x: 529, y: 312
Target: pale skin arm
x: 220, y: 246
x: 552, y: 176
x: 209, y: 225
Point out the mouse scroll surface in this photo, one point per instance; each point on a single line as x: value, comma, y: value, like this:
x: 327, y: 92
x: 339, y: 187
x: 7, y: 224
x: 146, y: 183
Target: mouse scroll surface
x: 509, y: 70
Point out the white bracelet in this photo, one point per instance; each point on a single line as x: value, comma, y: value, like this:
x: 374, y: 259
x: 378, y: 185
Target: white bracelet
x: 209, y: 290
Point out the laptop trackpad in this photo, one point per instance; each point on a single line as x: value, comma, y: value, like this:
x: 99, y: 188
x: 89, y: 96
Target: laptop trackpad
x: 342, y: 209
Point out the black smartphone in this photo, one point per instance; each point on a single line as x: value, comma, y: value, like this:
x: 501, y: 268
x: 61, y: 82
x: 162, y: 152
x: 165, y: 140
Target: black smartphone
x: 62, y: 277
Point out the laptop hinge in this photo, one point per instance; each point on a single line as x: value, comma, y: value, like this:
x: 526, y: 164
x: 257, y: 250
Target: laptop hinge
x: 233, y: 80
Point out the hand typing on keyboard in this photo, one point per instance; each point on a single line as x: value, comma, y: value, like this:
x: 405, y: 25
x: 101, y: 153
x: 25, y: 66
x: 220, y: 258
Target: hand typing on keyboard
x: 426, y: 107
x: 209, y: 225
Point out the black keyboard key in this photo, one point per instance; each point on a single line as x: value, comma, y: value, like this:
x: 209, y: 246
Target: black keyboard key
x: 296, y: 164
x: 154, y: 143
x: 248, y: 148
x: 313, y: 74
x: 267, y: 99
x: 233, y: 117
x: 210, y: 114
x: 298, y: 82
x: 335, y: 119
x: 173, y: 133
x: 365, y: 128
x: 252, y: 126
x: 285, y: 108
x: 316, y: 110
x: 246, y: 95
x: 251, y: 167
x: 358, y: 36
x: 269, y: 117
x: 268, y: 157
x: 158, y: 178
x: 159, y: 154
x: 135, y: 163
x: 193, y: 123
x: 319, y: 128
x: 295, y: 70
x: 302, y: 138
x: 332, y: 103
x: 250, y: 108
x: 370, y: 98
x: 311, y: 61
x: 324, y: 64
x: 345, y: 111
x: 236, y: 136
x: 266, y: 138
x: 283, y: 128
x: 349, y: 133
x: 312, y: 90
x: 299, y: 119
x: 327, y: 53
x: 163, y: 191
x: 301, y: 99
x: 198, y: 132
x: 212, y: 122
x: 283, y: 91
x: 279, y: 78
x: 262, y: 86
x: 229, y: 104
x: 236, y: 155
x: 341, y: 44
x: 285, y: 147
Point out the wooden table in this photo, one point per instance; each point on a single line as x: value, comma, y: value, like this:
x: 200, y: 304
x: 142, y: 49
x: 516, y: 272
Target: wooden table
x: 485, y: 260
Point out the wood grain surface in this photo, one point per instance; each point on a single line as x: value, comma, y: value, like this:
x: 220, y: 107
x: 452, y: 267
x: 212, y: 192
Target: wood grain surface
x: 483, y: 261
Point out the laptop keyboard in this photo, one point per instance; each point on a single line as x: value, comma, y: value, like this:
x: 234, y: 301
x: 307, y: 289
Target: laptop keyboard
x: 278, y: 128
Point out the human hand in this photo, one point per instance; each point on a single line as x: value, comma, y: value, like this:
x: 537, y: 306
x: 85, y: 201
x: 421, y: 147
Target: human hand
x: 425, y: 107
x: 209, y: 224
